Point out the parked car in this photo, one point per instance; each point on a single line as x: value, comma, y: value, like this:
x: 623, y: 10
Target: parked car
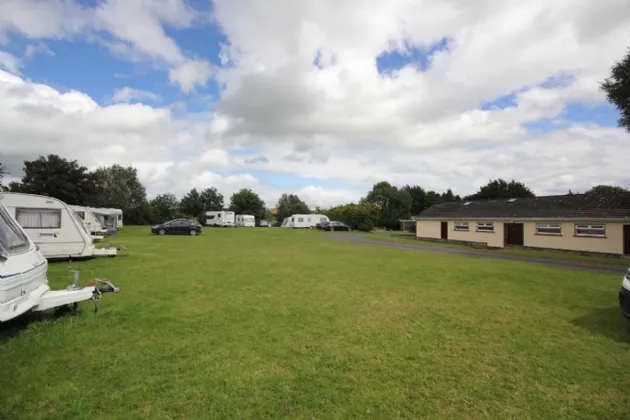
x: 178, y: 227
x: 335, y: 226
x: 624, y: 295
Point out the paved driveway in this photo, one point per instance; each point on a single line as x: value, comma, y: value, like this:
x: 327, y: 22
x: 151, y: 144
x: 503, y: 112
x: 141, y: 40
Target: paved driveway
x: 363, y: 239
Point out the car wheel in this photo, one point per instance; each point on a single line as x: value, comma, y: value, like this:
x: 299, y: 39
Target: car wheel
x: 193, y: 232
x: 162, y: 232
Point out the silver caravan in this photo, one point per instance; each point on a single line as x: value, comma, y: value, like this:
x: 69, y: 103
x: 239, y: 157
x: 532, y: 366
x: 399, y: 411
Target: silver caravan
x: 90, y: 221
x: 23, y: 275
x: 53, y: 226
x: 109, y: 218
x: 220, y: 218
x: 245, y: 220
x: 306, y: 220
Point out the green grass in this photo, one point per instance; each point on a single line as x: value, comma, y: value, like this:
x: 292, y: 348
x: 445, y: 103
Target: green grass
x: 278, y: 323
x: 531, y: 253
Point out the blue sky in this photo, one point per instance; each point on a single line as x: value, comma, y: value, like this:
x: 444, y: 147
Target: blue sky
x: 356, y: 123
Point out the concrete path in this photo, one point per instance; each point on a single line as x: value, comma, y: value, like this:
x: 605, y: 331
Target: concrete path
x: 578, y: 265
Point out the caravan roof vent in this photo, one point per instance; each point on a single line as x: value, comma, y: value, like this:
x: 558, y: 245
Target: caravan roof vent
x: 467, y: 203
x: 511, y: 200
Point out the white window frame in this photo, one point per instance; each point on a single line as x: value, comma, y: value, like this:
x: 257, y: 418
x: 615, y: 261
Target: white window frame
x: 40, y: 211
x: 485, y: 227
x: 462, y: 227
x: 549, y: 226
x: 600, y: 227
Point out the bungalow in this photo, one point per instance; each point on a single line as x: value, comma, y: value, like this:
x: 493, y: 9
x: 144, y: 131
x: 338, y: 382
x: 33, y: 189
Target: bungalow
x: 579, y: 222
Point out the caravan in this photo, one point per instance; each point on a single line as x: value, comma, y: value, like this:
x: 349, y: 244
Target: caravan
x: 305, y: 220
x: 245, y: 220
x: 23, y: 275
x: 53, y: 226
x: 220, y: 218
x: 90, y: 221
x: 109, y: 218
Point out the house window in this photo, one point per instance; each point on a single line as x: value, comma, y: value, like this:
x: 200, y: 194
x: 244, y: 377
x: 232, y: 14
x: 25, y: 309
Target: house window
x: 590, y: 230
x: 485, y: 227
x: 38, y: 218
x: 461, y: 226
x: 548, y: 229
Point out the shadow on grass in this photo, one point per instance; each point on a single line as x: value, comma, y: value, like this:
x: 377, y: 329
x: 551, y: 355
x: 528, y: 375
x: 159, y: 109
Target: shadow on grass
x: 13, y: 328
x: 607, y: 322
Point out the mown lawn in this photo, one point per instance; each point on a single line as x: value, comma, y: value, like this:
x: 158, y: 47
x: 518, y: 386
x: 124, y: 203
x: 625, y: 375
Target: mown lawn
x: 273, y: 323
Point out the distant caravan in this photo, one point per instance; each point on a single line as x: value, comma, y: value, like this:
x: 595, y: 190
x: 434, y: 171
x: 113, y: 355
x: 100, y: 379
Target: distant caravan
x: 305, y: 220
x: 220, y: 218
x: 245, y: 220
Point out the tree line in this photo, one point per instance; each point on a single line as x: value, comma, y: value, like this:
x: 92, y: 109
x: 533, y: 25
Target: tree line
x: 119, y: 187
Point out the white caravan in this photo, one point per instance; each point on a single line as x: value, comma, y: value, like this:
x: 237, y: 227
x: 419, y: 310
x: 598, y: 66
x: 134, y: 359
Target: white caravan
x: 90, y: 221
x: 109, y: 218
x: 306, y: 220
x: 220, y: 218
x: 53, y: 226
x: 245, y: 220
x: 23, y: 280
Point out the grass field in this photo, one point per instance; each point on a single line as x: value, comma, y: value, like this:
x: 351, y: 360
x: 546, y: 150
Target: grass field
x: 275, y: 323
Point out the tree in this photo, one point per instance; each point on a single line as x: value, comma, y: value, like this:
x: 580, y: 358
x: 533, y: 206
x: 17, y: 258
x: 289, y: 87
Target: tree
x: 393, y: 203
x: 418, y: 198
x: 15, y: 186
x: 617, y: 89
x: 248, y: 202
x: 2, y: 174
x: 212, y: 199
x: 289, y: 204
x: 57, y: 177
x: 165, y: 207
x: 432, y: 199
x: 606, y: 189
x: 362, y: 216
x: 449, y: 196
x: 121, y: 188
x: 191, y: 204
x: 499, y: 188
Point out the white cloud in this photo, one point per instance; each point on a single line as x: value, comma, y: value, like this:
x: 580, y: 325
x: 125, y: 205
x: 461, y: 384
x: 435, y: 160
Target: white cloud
x: 127, y: 94
x: 190, y: 73
x: 9, y: 62
x: 339, y: 121
x: 135, y: 30
x: 37, y: 48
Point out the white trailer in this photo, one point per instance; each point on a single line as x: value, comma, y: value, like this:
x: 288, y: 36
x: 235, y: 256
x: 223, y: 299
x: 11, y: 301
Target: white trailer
x: 220, y: 218
x: 53, y: 226
x: 285, y: 222
x: 306, y: 220
x: 245, y: 220
x: 90, y: 221
x: 23, y: 276
x: 108, y: 217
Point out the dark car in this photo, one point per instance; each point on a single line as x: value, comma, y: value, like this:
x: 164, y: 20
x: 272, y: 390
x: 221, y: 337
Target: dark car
x: 178, y: 227
x: 335, y: 226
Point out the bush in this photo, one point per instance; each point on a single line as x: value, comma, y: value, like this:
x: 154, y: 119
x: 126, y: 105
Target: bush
x: 358, y: 216
x: 366, y: 225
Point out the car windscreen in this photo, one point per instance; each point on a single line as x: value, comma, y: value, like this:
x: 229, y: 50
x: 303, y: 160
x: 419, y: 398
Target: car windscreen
x: 12, y: 239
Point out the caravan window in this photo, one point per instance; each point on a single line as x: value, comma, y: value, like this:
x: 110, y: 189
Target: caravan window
x: 210, y: 217
x: 81, y: 214
x: 323, y: 219
x: 309, y: 219
x: 78, y: 219
x: 300, y: 219
x: 39, y: 218
x: 120, y: 217
x: 12, y: 239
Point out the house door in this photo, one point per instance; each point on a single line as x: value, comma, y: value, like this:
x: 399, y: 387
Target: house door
x: 626, y: 239
x: 444, y: 234
x: 514, y: 234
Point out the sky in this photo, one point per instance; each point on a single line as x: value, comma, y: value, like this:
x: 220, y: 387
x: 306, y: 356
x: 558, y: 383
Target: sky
x: 321, y: 98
